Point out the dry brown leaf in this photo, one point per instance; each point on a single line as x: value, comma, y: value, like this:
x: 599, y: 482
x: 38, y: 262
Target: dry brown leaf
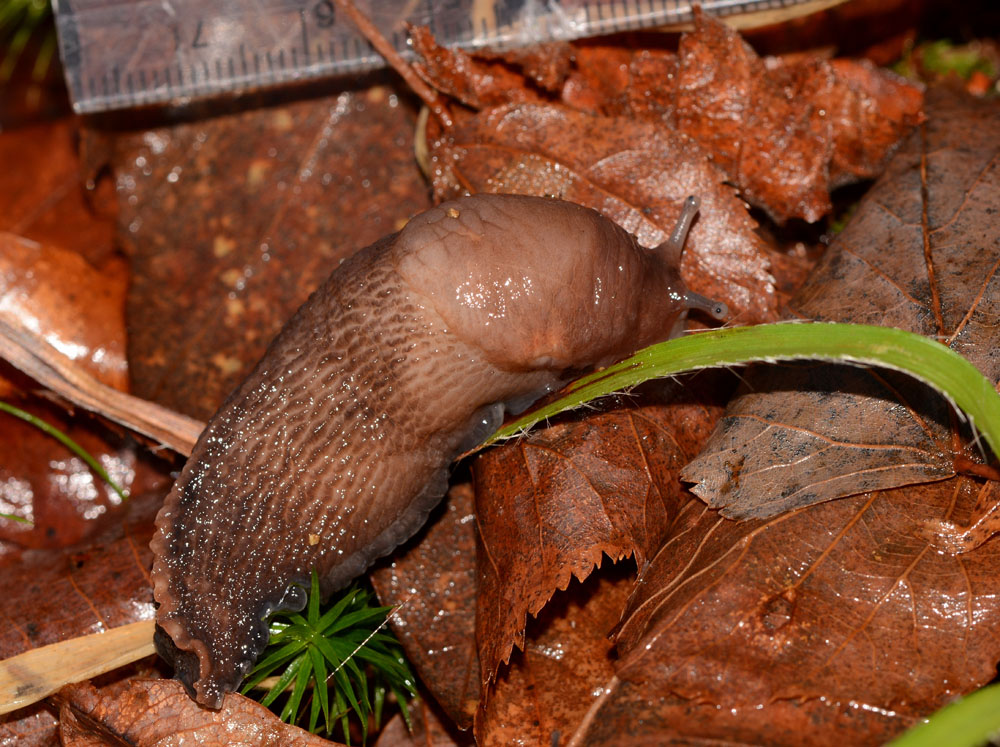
x: 922, y: 254
x: 472, y: 80
x: 547, y: 690
x: 147, y: 713
x: 785, y: 132
x: 429, y: 730
x: 550, y: 505
x: 563, y: 687
x: 629, y: 714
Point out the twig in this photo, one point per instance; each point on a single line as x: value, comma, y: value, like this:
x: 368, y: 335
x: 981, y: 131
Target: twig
x: 33, y: 675
x: 39, y: 360
x: 427, y: 94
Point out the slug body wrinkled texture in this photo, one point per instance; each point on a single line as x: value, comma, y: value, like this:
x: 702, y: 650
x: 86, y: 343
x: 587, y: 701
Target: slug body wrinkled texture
x: 337, y: 446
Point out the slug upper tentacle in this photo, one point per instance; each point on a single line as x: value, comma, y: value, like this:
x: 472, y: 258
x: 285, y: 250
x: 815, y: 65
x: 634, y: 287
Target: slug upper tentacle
x: 337, y: 445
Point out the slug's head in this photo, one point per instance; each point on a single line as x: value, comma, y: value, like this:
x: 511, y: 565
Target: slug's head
x: 538, y: 283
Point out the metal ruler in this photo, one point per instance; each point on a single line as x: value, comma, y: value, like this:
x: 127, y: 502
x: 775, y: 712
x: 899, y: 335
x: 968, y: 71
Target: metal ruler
x: 125, y: 53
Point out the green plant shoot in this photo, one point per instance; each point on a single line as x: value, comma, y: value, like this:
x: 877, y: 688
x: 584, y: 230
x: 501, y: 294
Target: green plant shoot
x: 334, y: 662
x: 66, y: 441
x: 20, y: 22
x: 924, y: 359
x: 972, y: 721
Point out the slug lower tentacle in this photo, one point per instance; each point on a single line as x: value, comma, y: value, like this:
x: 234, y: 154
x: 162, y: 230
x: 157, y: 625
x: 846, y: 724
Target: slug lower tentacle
x: 337, y: 446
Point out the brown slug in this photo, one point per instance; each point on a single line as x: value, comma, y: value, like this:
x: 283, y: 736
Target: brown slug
x: 337, y: 446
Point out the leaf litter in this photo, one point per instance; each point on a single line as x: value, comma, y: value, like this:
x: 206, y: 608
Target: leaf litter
x: 661, y: 618
x: 926, y: 264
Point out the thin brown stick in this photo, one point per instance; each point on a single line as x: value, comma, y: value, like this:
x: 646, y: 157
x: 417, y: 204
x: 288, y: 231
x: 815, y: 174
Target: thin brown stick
x: 32, y: 355
x: 427, y: 94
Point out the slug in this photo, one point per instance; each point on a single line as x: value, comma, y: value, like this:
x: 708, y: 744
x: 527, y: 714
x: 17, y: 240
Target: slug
x: 338, y: 444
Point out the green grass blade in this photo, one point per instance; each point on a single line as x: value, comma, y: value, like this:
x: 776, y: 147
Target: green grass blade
x: 314, y: 709
x: 973, y: 720
x: 312, y: 614
x: 378, y: 702
x: 19, y: 519
x: 286, y: 653
x: 334, y: 613
x: 402, y: 699
x: 321, y: 695
x: 66, y: 441
x: 345, y: 686
x: 345, y: 725
x: 284, y: 681
x: 259, y: 675
x: 352, y: 619
x: 925, y: 359
x: 290, y: 713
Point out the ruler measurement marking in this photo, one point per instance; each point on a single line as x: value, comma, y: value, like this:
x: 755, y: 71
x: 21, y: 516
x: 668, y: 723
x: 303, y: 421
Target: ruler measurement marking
x: 305, y: 34
x: 206, y: 35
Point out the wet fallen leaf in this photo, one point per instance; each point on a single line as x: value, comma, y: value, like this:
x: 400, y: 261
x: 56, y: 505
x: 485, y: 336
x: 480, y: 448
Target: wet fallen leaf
x: 433, y: 582
x: 77, y: 313
x: 46, y: 198
x: 785, y: 132
x: 160, y: 712
x: 922, y: 254
x: 231, y: 222
x: 46, y: 484
x: 30, y: 727
x: 58, y: 295
x: 846, y: 600
x: 551, y: 504
x: 51, y: 596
